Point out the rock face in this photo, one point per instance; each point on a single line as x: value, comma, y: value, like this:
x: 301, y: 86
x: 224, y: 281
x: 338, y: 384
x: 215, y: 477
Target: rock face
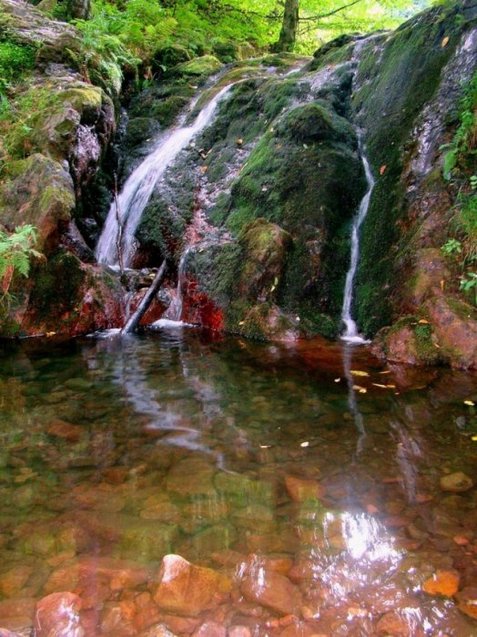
x: 52, y: 153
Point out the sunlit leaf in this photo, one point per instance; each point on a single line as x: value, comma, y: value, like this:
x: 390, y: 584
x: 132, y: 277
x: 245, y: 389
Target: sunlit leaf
x: 358, y: 372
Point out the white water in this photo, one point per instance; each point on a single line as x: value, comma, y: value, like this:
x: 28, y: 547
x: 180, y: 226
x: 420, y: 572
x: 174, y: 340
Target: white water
x: 351, y: 334
x: 139, y: 186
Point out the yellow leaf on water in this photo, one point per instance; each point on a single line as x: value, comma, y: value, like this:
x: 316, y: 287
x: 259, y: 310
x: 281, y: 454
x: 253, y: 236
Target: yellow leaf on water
x: 470, y: 403
x: 423, y: 322
x: 386, y: 371
x: 361, y: 390
x: 379, y: 385
x: 50, y: 334
x: 474, y: 438
x: 445, y: 41
x: 337, y: 380
x: 358, y: 372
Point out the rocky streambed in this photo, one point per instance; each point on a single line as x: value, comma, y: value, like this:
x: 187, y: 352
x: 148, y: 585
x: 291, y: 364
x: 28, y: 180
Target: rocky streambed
x: 176, y: 485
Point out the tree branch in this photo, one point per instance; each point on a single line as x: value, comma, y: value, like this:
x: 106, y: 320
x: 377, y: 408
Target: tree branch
x: 330, y: 13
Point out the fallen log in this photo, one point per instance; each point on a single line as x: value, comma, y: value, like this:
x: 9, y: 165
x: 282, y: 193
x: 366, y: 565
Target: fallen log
x: 136, y: 316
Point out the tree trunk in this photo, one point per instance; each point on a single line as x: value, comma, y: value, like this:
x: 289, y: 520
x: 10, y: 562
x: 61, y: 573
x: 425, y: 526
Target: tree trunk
x: 287, y: 39
x: 79, y: 9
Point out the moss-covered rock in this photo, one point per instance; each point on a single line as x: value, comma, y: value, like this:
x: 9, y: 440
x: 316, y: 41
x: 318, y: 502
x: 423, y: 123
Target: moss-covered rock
x: 201, y: 66
x: 389, y: 99
x: 38, y: 191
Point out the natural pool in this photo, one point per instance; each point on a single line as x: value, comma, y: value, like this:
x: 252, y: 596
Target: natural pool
x: 308, y: 476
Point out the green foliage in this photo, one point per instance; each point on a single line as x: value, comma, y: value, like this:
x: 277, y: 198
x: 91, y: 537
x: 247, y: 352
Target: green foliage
x: 16, y: 60
x: 452, y: 246
x: 16, y: 249
x: 468, y: 284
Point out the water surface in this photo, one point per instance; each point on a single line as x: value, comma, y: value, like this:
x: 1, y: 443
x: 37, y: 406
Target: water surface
x: 312, y: 462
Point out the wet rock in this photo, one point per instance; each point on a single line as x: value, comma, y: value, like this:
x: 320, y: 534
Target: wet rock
x: 300, y: 489
x: 117, y: 619
x: 65, y: 430
x: 187, y: 589
x: 445, y: 583
x: 456, y: 482
x: 58, y: 615
x: 210, y: 629
x: 7, y: 633
x: 14, y: 581
x: 157, y: 631
x: 392, y: 624
x: 269, y: 588
x: 239, y: 631
x: 179, y: 478
x: 467, y: 601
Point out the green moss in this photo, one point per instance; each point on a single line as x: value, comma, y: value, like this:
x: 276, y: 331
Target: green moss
x: 315, y: 123
x: 166, y: 110
x: 56, y: 286
x: 391, y: 96
x: 200, y: 66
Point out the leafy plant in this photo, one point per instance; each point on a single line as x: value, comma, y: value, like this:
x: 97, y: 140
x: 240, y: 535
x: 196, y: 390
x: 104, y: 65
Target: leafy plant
x: 452, y: 246
x: 468, y: 284
x: 16, y: 250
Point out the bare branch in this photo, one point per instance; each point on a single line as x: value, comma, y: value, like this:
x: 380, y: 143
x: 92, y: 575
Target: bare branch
x: 330, y: 13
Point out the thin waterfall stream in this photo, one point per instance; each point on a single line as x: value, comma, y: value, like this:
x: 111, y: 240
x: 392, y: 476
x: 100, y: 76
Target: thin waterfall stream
x: 125, y: 212
x: 351, y: 333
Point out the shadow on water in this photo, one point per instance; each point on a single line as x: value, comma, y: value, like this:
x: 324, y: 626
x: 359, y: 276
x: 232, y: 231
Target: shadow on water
x: 306, y: 472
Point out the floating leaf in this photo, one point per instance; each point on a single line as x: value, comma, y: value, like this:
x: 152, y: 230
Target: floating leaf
x: 358, y: 372
x: 423, y: 322
x: 379, y: 385
x: 337, y: 380
x: 361, y: 390
x: 474, y: 438
x: 304, y: 444
x: 470, y: 403
x: 445, y: 41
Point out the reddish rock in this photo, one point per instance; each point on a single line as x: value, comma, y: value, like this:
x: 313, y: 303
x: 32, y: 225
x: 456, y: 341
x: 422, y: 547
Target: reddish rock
x: 467, y: 601
x: 239, y: 631
x: 21, y: 607
x: 269, y: 588
x: 210, y: 629
x: 157, y: 631
x: 300, y: 489
x: 393, y: 624
x: 65, y: 430
x: 58, y: 615
x: 444, y: 583
x: 13, y: 581
x: 117, y: 619
x: 8, y: 633
x: 186, y: 589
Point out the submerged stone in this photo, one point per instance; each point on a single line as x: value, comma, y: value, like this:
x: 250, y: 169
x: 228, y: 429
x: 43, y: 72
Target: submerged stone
x: 456, y: 482
x: 187, y: 589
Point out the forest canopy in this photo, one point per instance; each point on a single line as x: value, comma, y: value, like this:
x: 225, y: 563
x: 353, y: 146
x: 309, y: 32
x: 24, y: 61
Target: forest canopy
x: 199, y: 25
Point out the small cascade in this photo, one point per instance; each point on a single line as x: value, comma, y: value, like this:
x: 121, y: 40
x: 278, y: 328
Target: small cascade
x: 117, y: 237
x: 173, y: 313
x: 351, y: 334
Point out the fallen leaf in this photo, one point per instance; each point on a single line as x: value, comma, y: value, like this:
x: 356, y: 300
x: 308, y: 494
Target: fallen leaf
x: 337, y: 380
x: 304, y: 444
x: 445, y: 41
x: 379, y: 385
x: 423, y: 322
x: 358, y: 372
x: 361, y: 390
x: 382, y: 170
x: 469, y: 403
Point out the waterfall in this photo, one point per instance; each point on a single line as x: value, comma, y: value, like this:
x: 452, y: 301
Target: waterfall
x: 174, y: 311
x: 125, y: 213
x: 351, y: 333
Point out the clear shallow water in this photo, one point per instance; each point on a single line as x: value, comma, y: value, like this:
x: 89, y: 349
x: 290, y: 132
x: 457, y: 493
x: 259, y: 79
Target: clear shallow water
x: 222, y: 449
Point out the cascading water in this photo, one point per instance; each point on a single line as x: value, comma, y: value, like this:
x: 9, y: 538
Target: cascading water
x: 117, y: 237
x: 351, y: 334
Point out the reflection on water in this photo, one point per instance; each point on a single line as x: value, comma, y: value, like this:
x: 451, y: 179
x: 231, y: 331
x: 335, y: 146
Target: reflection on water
x: 311, y: 477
